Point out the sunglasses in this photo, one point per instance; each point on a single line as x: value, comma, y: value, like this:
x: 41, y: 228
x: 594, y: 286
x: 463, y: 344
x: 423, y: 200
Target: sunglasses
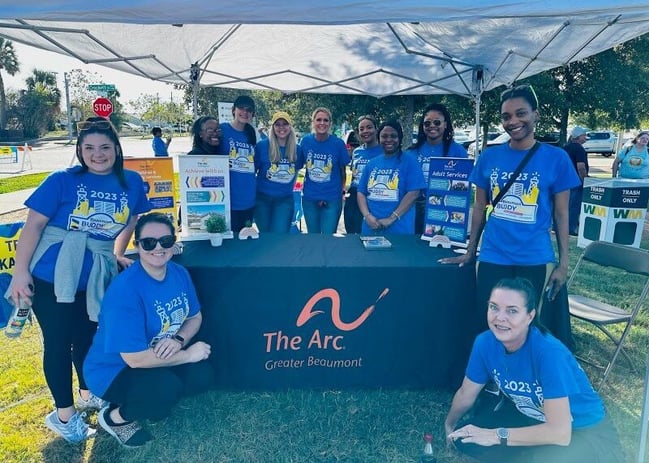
x: 149, y: 244
x: 435, y: 122
x: 99, y: 125
x: 520, y: 91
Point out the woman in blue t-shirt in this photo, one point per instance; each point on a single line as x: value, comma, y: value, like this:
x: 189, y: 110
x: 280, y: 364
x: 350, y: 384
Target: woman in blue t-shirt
x: 144, y: 357
x: 542, y: 408
x: 78, y: 226
x: 238, y: 142
x: 517, y: 239
x: 326, y: 158
x: 278, y: 158
x: 389, y: 186
x: 434, y: 140
x: 369, y: 136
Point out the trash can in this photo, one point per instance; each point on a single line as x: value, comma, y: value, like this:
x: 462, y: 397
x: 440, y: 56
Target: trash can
x: 614, y: 211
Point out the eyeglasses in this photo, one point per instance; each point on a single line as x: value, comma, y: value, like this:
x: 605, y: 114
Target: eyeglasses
x: 99, y: 125
x: 149, y: 244
x: 435, y: 122
x: 369, y: 117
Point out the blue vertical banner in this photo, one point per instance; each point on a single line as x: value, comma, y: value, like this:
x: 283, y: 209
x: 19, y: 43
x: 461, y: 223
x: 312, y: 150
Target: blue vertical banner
x: 448, y: 198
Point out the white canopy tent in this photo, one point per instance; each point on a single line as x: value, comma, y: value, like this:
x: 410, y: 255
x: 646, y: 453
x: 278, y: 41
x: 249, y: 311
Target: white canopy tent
x: 373, y: 47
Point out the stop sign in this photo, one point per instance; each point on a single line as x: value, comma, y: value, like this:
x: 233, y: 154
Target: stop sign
x: 102, y: 107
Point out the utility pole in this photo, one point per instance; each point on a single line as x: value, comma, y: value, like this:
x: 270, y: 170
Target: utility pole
x: 69, y: 105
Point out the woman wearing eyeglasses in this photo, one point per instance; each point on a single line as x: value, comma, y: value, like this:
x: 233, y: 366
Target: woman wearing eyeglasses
x: 277, y: 161
x: 517, y: 239
x: 206, y: 134
x: 142, y: 360
x: 326, y: 158
x: 369, y: 136
x: 389, y: 186
x: 78, y: 226
x: 434, y: 140
x: 633, y: 161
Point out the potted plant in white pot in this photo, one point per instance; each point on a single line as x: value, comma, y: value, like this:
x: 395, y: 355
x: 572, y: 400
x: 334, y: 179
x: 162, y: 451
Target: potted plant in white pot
x: 216, y: 226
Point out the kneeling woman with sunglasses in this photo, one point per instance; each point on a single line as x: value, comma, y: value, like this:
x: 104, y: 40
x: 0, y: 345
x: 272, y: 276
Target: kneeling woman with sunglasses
x: 142, y: 360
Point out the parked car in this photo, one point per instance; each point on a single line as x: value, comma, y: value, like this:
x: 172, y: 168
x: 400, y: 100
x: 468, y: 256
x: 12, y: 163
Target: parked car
x: 603, y: 142
x: 498, y: 140
x: 351, y: 141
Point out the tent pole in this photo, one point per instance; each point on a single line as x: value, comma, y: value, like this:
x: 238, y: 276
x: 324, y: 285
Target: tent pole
x: 194, y: 76
x: 644, y: 419
x: 476, y: 80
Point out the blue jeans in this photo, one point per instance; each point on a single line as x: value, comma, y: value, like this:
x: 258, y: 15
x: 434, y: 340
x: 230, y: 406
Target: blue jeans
x: 322, y: 216
x: 273, y: 214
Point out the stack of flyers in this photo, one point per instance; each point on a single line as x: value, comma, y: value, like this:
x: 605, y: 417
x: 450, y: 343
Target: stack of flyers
x: 376, y: 242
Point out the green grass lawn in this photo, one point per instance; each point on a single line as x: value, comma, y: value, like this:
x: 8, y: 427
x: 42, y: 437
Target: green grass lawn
x: 295, y: 425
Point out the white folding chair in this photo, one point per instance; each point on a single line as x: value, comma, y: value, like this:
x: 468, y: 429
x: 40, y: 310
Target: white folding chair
x: 599, y: 312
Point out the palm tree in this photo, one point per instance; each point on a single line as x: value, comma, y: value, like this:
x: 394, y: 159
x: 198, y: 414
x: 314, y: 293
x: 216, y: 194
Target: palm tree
x: 8, y: 62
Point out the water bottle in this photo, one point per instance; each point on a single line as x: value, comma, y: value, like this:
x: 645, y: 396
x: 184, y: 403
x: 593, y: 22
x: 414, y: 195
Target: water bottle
x: 19, y: 316
x: 427, y: 455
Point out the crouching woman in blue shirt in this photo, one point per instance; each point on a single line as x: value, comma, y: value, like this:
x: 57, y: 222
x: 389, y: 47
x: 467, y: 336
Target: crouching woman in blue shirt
x: 142, y: 359
x: 547, y: 409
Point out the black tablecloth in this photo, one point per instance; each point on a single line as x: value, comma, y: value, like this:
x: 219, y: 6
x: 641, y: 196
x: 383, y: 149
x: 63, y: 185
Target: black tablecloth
x: 254, y: 295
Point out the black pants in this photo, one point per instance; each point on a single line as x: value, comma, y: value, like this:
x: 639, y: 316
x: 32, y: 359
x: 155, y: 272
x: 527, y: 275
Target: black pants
x: 151, y: 393
x: 67, y: 335
x: 420, y: 215
x: 352, y: 214
x: 596, y: 444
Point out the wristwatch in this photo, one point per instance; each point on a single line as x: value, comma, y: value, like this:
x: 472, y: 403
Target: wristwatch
x: 503, y: 435
x: 179, y: 338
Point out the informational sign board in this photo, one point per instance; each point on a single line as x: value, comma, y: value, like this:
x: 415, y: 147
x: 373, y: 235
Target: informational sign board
x: 159, y: 184
x: 448, y: 199
x: 225, y: 111
x: 613, y: 211
x: 9, y: 234
x: 204, y: 191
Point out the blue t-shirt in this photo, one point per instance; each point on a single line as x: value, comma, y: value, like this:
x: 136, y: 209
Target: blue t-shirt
x: 324, y: 162
x: 635, y: 164
x: 427, y: 151
x: 543, y: 368
x: 95, y: 204
x: 385, y: 181
x: 276, y: 179
x: 137, y: 312
x: 241, y: 155
x: 360, y: 158
x: 159, y: 147
x: 518, y: 229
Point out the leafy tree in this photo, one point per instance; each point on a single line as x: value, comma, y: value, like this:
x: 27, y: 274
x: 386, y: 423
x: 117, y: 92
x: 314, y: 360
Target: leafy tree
x: 8, y: 63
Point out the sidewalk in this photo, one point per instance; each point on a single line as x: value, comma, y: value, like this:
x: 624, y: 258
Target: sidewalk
x: 14, y: 201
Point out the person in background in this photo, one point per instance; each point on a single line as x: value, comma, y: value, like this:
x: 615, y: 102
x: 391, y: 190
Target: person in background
x: 517, y: 239
x: 546, y: 410
x: 633, y: 161
x: 370, y: 148
x: 434, y: 140
x: 206, y: 136
x: 160, y: 146
x: 326, y: 158
x: 278, y: 158
x: 144, y: 357
x: 78, y: 226
x: 389, y: 186
x: 579, y: 159
x: 239, y: 140
x: 261, y: 130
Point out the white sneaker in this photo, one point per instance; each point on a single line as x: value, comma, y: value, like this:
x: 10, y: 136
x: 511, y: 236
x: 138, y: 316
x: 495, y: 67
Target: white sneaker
x: 92, y: 403
x: 74, y: 431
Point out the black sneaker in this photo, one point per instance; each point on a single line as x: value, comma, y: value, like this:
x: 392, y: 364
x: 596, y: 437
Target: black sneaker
x: 130, y: 435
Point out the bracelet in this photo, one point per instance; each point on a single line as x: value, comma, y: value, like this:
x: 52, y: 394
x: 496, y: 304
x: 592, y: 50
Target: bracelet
x: 365, y: 216
x: 395, y: 215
